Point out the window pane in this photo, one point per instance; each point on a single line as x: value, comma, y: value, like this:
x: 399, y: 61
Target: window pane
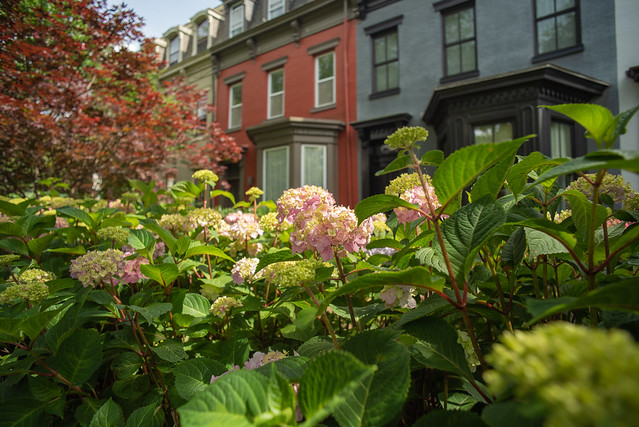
x: 493, y: 132
x: 174, y: 50
x: 236, y: 117
x: 545, y: 7
x: 483, y: 134
x: 453, y: 65
x: 237, y: 94
x: 468, y: 56
x: 325, y: 93
x: 565, y: 4
x: 451, y: 28
x: 275, y: 8
x: 503, y: 132
x: 391, y: 46
x: 275, y: 172
x: 277, y: 81
x: 566, y: 31
x: 325, y: 64
x: 393, y: 75
x: 380, y: 49
x: 560, y: 140
x: 546, y: 35
x: 277, y: 105
x: 466, y: 24
x: 203, y: 29
x: 314, y: 165
x: 381, y: 78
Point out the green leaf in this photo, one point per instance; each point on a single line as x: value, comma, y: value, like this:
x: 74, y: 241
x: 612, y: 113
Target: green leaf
x: 38, y: 245
x: 303, y: 327
x: 462, y: 167
x: 622, y: 296
x: 515, y: 248
x: 146, y: 416
x: 539, y: 245
x: 492, y: 181
x: 518, y: 174
x: 437, y: 346
x: 581, y: 209
x: 432, y: 258
x: 451, y: 419
x: 379, y: 203
x: 192, y: 376
x: 290, y: 368
x: 602, y: 159
x: 11, y: 209
x: 400, y: 162
x: 79, y: 355
x: 185, y: 189
x: 508, y: 414
x: 152, y: 311
x: 226, y: 194
x: 391, y: 380
x: 35, y: 324
x: 164, y: 274
x: 77, y: 250
x: 78, y: 215
x: 207, y: 250
x: 468, y: 229
x: 109, y: 415
x: 15, y: 246
x: 594, y: 118
x: 432, y: 158
x: 276, y: 256
x: 196, y: 305
x: 416, y: 276
x: 148, y: 195
x: 171, y: 351
x: 140, y: 239
x: 425, y: 308
x: 169, y: 240
x: 22, y: 411
x: 620, y: 128
x: 315, y: 346
x: 335, y: 383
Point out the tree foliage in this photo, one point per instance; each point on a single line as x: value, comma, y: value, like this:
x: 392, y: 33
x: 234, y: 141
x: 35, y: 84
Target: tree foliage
x: 77, y: 101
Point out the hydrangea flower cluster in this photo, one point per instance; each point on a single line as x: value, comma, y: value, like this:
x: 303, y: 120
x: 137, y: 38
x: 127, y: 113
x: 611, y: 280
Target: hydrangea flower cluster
x: 132, y: 273
x: 205, y: 217
x: 406, y: 137
x: 260, y: 359
x: 613, y: 185
x: 404, y: 182
x: 320, y: 225
x: 244, y: 270
x: 399, y: 295
x: 560, y: 216
x: 32, y: 287
x: 379, y: 224
x: 177, y: 223
x: 98, y: 267
x: 583, y: 376
x: 254, y: 193
x: 417, y: 196
x: 289, y: 274
x: 243, y: 227
x: 205, y: 175
x: 223, y: 305
x: 8, y: 259
x: 269, y: 222
x: 119, y: 235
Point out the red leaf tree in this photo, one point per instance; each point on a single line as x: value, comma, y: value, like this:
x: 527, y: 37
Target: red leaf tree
x: 76, y: 102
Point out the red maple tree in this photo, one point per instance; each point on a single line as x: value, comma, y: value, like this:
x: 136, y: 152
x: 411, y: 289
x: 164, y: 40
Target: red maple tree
x: 77, y: 103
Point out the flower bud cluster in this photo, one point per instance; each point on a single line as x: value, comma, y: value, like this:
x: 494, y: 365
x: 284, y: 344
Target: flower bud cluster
x: 244, y: 270
x: 254, y: 193
x: 32, y: 287
x: 379, y: 224
x: 320, y: 225
x: 583, y: 376
x: 399, y: 296
x: 269, y: 222
x: 205, y: 217
x: 289, y: 274
x: 177, y: 223
x: 417, y: 196
x: 613, y: 185
x: 404, y: 182
x: 406, y: 137
x: 205, y: 175
x: 98, y: 267
x: 223, y: 305
x: 119, y: 235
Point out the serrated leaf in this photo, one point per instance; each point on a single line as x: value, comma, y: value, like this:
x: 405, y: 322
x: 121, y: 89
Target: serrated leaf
x: 276, y: 256
x: 22, y: 411
x: 207, y: 250
x: 78, y: 215
x: 335, y: 383
x: 541, y: 243
x: 79, y: 355
x: 491, y: 182
x: 507, y: 414
x: 140, y: 239
x: 196, y: 305
x: 416, y: 276
x: 315, y: 346
x: 514, y: 250
x: 621, y: 121
x: 462, y: 167
x: 146, y: 416
x: 432, y: 158
x: 185, y: 189
x: 226, y: 194
x: 35, y: 324
x: 468, y: 229
x: 432, y: 258
x: 109, y: 415
x: 601, y: 159
x: 39, y: 244
x: 152, y: 311
x: 11, y: 209
x: 518, y: 174
x: 452, y: 418
x: 194, y: 375
x: 379, y: 203
x: 164, y: 274
x: 400, y: 162
x: 581, y: 209
x: 169, y: 240
x: 171, y: 351
x: 594, y: 118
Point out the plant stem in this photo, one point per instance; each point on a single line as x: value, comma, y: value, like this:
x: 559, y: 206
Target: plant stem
x: 349, y: 302
x: 324, y: 318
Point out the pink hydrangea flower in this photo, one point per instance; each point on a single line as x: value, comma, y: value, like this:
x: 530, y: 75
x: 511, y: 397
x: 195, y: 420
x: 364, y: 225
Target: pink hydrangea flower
x: 417, y: 196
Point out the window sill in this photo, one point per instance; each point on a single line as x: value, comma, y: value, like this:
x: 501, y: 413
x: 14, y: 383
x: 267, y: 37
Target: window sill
x: 323, y: 108
x: 384, y: 94
x: 557, y: 53
x: 461, y: 76
x: 235, y: 129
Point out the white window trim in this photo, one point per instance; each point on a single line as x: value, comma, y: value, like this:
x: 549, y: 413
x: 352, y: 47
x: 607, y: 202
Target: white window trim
x: 318, y: 81
x: 235, y: 25
x: 272, y: 94
x: 324, y: 168
x: 231, y: 106
x: 264, y: 168
x: 273, y: 5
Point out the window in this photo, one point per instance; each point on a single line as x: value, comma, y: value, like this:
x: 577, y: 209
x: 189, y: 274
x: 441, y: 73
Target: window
x: 560, y: 139
x: 174, y: 50
x: 459, y: 41
x: 314, y: 165
x: 493, y: 132
x: 275, y: 8
x: 236, y: 25
x: 557, y: 25
x: 275, y: 172
x: 202, y: 35
x: 385, y: 61
x: 276, y: 93
x: 325, y: 79
x: 235, y: 106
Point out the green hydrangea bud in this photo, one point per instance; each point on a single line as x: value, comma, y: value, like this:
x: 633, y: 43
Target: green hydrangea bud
x: 404, y: 182
x: 205, y: 175
x: 254, y: 193
x: 8, y: 259
x: 117, y: 234
x: 32, y: 287
x: 406, y: 137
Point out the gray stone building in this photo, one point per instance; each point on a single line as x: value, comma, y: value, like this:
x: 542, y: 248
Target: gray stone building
x: 475, y: 71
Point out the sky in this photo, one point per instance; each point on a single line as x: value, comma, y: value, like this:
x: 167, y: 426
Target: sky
x: 160, y: 15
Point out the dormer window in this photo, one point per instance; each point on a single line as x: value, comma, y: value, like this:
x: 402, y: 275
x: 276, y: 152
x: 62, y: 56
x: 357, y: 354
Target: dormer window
x: 174, y: 50
x: 236, y: 24
x: 275, y: 8
x: 202, y: 35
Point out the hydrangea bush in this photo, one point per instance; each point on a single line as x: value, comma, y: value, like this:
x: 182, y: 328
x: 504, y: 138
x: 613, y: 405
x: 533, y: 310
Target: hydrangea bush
x: 483, y: 295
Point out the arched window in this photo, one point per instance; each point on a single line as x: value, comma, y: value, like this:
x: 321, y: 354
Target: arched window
x: 202, y: 35
x: 174, y: 50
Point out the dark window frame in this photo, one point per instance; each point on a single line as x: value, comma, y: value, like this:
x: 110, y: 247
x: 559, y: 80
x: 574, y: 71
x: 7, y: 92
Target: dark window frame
x: 577, y: 47
x: 376, y: 31
x: 377, y: 65
x: 174, y: 57
x: 456, y: 9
